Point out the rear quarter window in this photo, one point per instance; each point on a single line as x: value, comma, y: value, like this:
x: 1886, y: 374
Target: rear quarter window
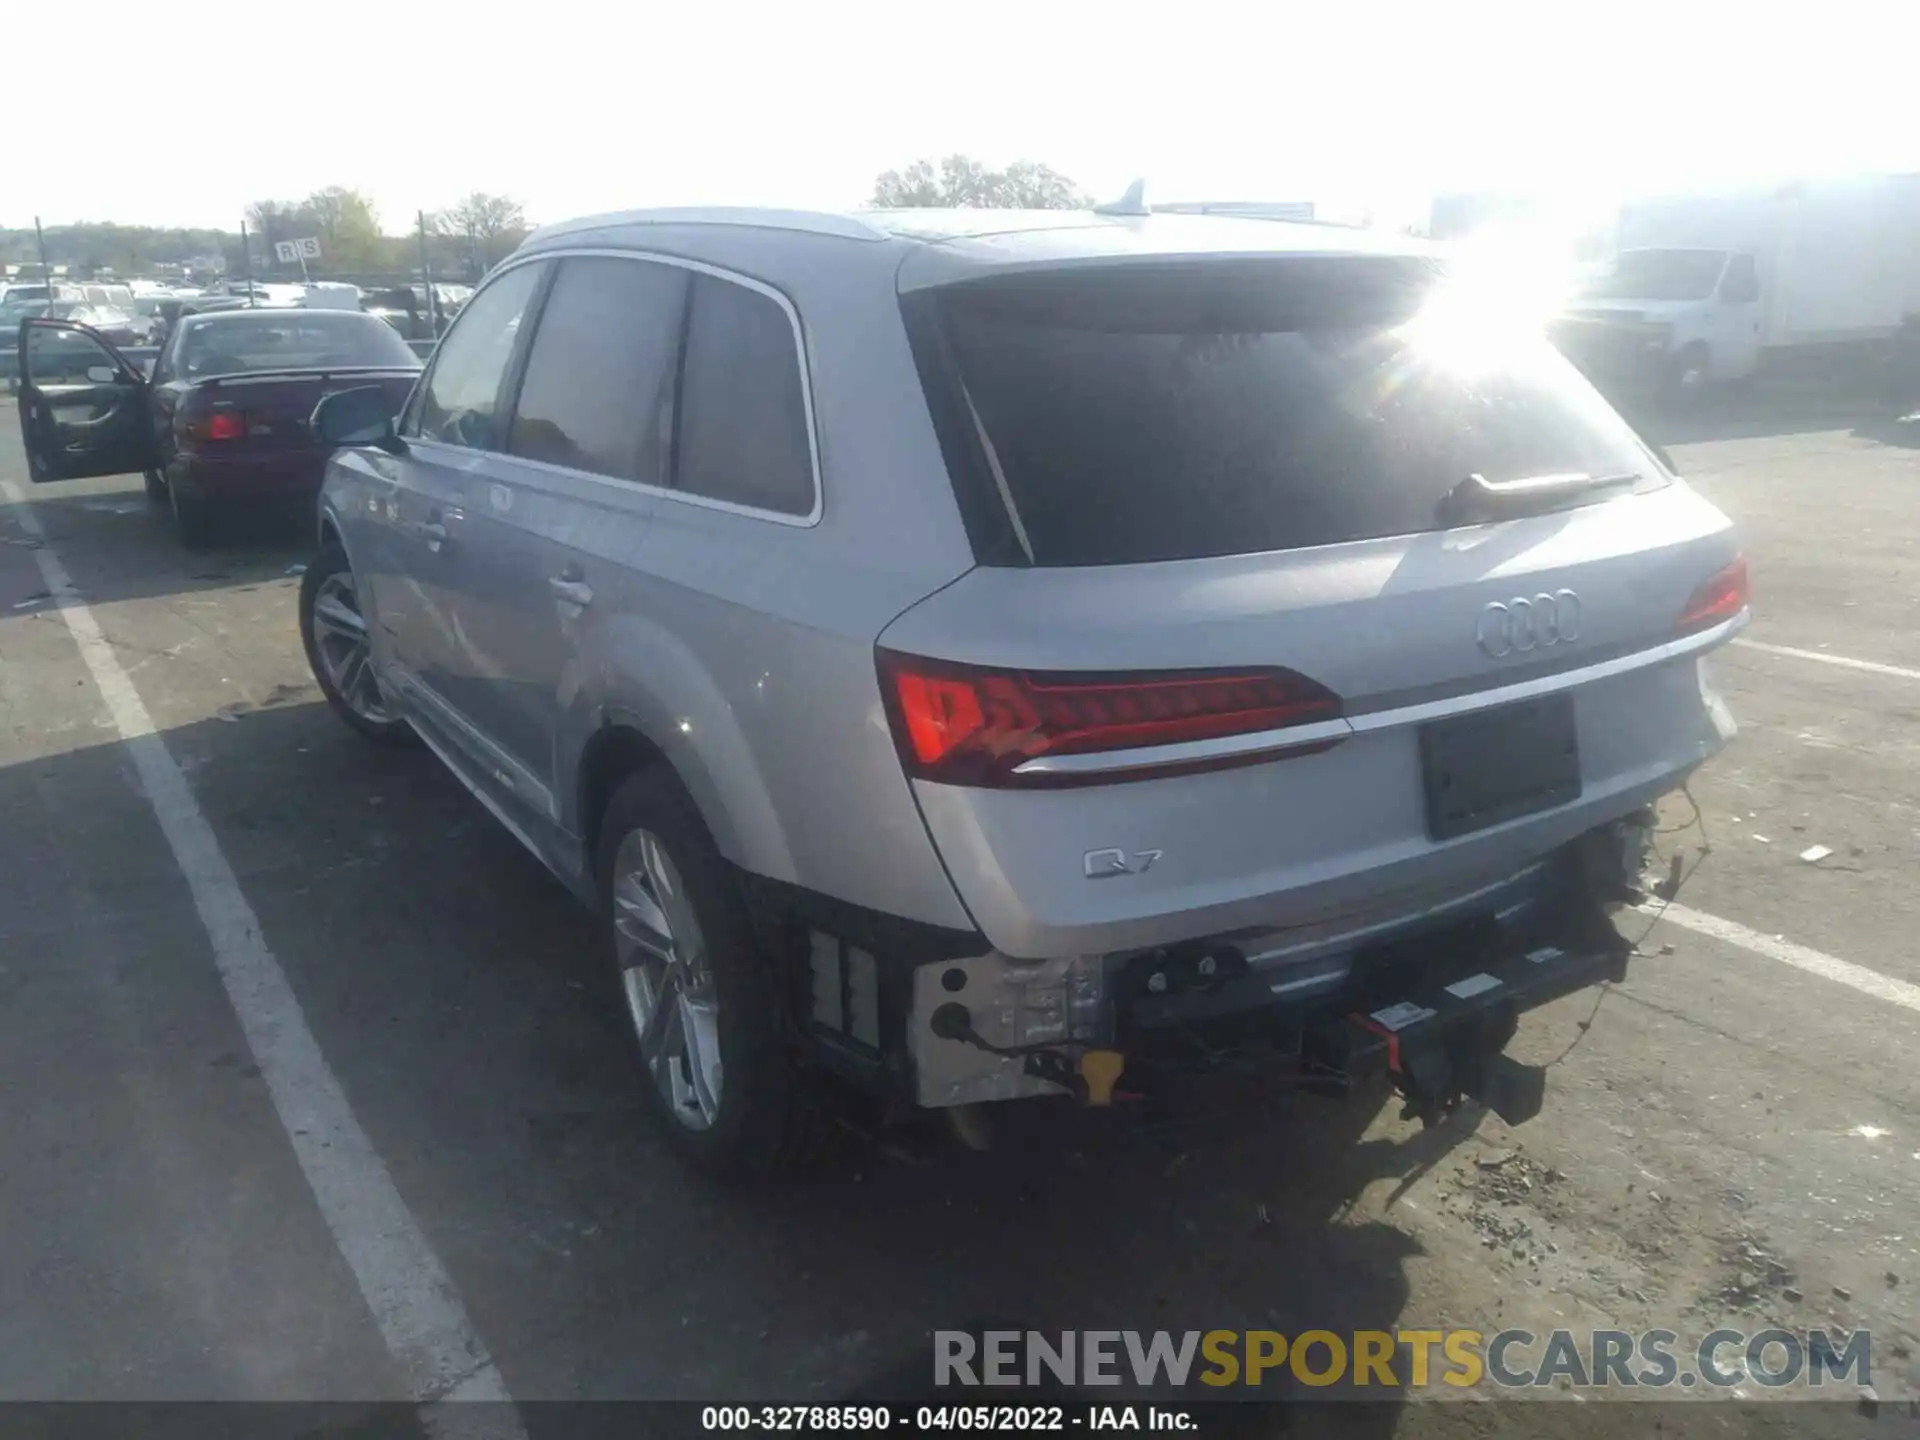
x: 743, y: 431
x: 1162, y: 414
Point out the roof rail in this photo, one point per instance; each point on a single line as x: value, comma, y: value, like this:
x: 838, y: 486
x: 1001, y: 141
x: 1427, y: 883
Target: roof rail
x: 811, y: 222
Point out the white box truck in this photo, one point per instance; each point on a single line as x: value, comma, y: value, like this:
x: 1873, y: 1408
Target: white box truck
x: 1704, y: 287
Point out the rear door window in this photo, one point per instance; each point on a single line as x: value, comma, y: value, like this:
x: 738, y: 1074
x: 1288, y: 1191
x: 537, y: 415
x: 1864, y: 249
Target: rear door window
x: 743, y: 434
x: 598, y: 389
x: 1161, y: 414
x: 460, y: 401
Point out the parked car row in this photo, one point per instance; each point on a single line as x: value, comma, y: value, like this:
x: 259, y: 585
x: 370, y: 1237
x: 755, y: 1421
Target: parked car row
x: 223, y: 415
x: 966, y: 657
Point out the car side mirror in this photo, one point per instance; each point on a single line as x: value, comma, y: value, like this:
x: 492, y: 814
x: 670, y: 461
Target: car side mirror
x: 102, y: 374
x: 360, y: 416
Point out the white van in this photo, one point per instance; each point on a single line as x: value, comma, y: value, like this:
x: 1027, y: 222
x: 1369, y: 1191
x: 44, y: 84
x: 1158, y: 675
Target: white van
x: 1704, y: 287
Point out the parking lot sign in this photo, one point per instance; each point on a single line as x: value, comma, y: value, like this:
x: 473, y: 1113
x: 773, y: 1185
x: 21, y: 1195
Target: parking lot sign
x: 287, y: 250
x: 309, y: 248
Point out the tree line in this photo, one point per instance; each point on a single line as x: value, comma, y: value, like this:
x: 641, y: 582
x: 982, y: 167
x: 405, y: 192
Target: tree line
x: 468, y: 238
x: 463, y: 241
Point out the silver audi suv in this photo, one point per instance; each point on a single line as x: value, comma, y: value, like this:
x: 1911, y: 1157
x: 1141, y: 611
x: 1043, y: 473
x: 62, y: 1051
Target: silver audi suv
x: 976, y: 656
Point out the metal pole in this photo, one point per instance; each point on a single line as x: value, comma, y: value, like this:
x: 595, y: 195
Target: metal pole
x: 246, y: 264
x: 46, y: 270
x: 426, y: 278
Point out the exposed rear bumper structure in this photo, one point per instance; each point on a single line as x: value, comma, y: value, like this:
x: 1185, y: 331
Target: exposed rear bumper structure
x: 1428, y: 1001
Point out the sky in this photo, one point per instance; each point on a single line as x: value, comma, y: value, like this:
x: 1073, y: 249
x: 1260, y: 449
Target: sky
x: 574, y: 108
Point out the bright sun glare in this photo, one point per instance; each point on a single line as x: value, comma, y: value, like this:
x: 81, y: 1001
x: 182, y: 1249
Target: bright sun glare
x: 1502, y: 287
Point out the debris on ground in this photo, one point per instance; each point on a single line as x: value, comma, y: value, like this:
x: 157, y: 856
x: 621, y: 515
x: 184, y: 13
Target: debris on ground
x: 1840, y: 1292
x: 39, y: 597
x: 296, y: 569
x: 1488, y: 1194
x: 1754, y: 1274
x: 1814, y: 854
x: 1763, y: 839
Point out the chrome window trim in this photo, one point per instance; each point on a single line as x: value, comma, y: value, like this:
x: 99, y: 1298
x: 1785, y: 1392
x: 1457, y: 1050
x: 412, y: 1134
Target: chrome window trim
x: 705, y: 502
x: 1294, y: 736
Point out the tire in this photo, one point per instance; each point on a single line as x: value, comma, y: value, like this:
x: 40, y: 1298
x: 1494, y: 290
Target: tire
x: 156, y: 487
x: 324, y: 633
x: 1689, y: 374
x: 192, y: 519
x: 759, y: 1113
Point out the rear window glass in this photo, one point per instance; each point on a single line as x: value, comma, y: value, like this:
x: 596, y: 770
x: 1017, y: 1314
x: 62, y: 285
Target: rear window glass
x: 290, y: 340
x: 1231, y: 409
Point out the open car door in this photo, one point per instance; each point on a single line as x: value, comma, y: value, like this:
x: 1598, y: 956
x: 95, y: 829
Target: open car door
x: 83, y: 407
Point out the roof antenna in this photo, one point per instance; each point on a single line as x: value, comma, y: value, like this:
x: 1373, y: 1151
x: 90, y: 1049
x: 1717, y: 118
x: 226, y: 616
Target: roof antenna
x: 1134, y: 202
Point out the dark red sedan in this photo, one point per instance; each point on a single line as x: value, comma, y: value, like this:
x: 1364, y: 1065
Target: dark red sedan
x: 224, y: 416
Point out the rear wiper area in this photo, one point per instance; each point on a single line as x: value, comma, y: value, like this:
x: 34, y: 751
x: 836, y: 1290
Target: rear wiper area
x: 1477, y: 498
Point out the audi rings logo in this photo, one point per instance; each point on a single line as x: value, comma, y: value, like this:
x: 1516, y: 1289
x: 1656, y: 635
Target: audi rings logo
x: 1513, y: 627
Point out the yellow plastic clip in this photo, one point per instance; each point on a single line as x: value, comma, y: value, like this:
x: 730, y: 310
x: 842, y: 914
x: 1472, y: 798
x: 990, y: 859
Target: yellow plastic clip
x: 1100, y: 1069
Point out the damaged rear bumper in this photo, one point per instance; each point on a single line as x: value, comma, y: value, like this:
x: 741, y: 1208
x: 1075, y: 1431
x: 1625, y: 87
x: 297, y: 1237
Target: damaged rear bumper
x: 1428, y: 1000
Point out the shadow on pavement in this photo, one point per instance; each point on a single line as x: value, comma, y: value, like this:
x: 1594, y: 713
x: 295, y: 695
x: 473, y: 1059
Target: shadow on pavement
x: 461, y: 996
x: 120, y: 546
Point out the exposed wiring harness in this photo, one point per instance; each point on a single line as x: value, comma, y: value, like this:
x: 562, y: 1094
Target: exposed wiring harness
x: 1678, y: 873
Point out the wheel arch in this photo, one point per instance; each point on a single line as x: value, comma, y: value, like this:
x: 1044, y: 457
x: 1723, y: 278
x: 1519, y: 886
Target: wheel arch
x: 329, y: 530
x: 728, y: 794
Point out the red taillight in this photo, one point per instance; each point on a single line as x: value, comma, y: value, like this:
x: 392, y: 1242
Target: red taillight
x: 224, y: 425
x: 1721, y: 598
x: 968, y: 725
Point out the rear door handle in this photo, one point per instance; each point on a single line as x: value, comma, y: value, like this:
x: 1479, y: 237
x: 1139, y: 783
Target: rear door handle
x: 574, y: 592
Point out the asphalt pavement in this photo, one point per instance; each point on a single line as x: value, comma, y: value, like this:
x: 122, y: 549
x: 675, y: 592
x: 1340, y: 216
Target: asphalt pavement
x: 311, y: 1086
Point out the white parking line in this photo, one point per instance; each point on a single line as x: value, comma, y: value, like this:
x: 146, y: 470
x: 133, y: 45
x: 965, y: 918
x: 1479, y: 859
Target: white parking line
x: 1845, y: 662
x: 1827, y: 967
x: 405, y: 1286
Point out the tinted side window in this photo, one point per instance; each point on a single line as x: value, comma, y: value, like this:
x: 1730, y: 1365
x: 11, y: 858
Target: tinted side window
x: 743, y: 417
x: 461, y: 395
x: 599, y: 377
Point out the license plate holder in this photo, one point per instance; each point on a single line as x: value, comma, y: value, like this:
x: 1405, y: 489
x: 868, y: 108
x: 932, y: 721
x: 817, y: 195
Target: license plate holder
x: 1496, y: 765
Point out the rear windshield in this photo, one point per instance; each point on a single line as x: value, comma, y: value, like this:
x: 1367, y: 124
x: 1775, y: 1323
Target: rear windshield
x: 291, y: 340
x: 1137, y: 415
